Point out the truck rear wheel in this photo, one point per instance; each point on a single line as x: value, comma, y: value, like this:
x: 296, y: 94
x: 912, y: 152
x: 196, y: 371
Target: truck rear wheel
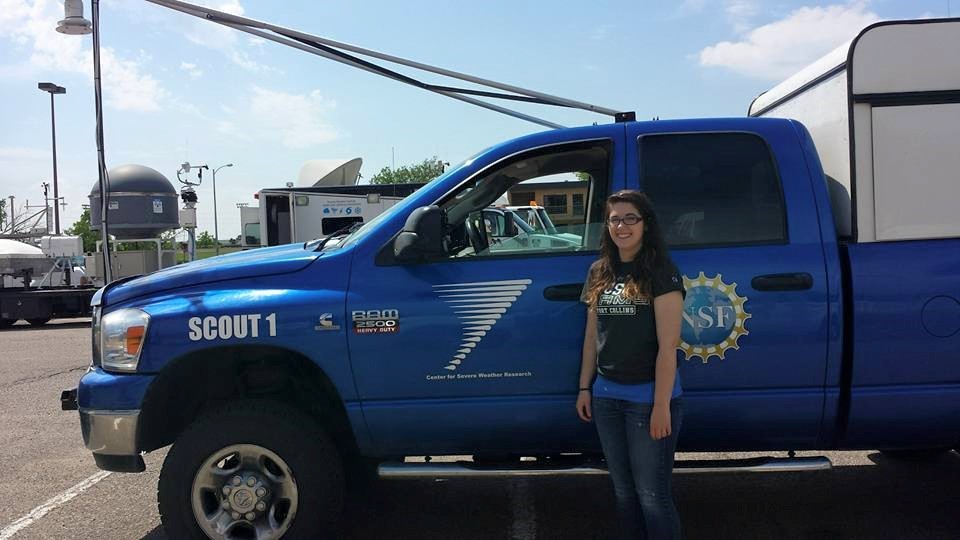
x: 251, y: 469
x: 6, y: 323
x: 38, y: 322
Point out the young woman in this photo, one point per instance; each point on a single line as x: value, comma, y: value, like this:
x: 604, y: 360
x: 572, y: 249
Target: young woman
x: 628, y: 376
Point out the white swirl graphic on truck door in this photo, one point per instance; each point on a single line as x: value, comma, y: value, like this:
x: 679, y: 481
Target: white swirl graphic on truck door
x: 479, y: 306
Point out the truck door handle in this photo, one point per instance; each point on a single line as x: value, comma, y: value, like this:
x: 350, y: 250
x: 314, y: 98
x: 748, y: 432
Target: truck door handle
x: 798, y: 281
x: 563, y: 293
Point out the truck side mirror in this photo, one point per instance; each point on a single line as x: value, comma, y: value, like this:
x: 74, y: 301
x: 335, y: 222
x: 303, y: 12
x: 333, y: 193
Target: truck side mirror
x: 509, y: 226
x: 422, y: 235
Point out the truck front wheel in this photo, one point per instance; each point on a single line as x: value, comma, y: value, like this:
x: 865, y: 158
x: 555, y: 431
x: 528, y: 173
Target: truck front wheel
x: 251, y: 469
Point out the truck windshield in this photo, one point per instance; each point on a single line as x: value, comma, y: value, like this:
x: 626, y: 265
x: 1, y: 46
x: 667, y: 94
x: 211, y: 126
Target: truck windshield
x: 547, y: 223
x: 521, y: 224
x: 369, y: 226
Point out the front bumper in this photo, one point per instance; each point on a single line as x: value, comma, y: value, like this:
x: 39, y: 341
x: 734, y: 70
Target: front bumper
x: 109, y: 406
x: 112, y: 433
x: 112, y: 437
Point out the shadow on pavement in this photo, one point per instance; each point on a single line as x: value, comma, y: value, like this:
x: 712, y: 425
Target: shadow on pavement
x: 892, y: 499
x: 52, y: 325
x: 156, y: 534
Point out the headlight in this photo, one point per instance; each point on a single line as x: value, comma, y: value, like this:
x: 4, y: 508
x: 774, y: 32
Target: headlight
x: 122, y: 333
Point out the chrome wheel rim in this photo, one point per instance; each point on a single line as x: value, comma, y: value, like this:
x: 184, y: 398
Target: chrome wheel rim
x: 244, y: 491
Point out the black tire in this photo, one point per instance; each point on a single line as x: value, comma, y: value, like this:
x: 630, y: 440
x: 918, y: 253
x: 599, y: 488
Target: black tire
x: 6, y: 323
x: 362, y: 475
x: 39, y: 321
x: 313, y: 461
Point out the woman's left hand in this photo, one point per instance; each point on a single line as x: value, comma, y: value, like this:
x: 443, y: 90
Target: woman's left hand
x: 660, y: 422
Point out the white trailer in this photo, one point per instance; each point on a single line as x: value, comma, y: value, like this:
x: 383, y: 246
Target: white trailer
x: 249, y: 227
x: 300, y: 214
x: 884, y: 113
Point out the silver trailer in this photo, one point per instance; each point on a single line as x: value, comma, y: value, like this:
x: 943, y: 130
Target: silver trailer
x: 884, y: 113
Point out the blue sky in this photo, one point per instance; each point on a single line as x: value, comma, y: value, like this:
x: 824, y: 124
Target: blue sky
x: 181, y: 89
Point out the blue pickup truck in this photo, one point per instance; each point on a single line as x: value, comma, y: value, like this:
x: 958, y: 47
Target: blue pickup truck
x: 277, y: 371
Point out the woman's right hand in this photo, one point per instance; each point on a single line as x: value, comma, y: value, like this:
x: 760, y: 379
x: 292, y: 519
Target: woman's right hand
x: 583, y: 405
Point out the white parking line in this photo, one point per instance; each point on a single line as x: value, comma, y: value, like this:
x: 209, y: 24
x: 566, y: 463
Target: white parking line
x: 524, y: 523
x: 49, y: 505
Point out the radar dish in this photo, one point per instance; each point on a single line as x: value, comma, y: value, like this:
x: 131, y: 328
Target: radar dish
x: 330, y: 172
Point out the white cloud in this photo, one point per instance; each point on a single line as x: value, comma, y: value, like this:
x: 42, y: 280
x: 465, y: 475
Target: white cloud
x: 227, y: 128
x: 126, y: 86
x: 191, y: 69
x: 601, y: 32
x: 23, y: 153
x: 299, y: 120
x: 227, y: 40
x: 31, y: 26
x: 778, y: 49
x: 295, y: 120
x: 687, y: 8
x: 740, y: 13
x: 741, y: 8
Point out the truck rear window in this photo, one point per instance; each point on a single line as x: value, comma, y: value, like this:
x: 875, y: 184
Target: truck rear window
x: 713, y: 189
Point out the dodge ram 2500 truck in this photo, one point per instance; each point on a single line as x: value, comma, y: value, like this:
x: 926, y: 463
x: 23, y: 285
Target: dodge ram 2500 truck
x: 274, y: 372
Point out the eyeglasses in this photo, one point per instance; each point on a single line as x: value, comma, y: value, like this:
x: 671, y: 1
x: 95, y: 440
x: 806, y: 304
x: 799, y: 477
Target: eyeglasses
x: 629, y: 219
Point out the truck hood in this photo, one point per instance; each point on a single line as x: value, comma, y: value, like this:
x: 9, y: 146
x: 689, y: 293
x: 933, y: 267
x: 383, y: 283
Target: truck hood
x: 244, y: 264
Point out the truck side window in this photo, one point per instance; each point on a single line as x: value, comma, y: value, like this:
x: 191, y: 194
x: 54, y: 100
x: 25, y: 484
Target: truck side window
x: 251, y: 234
x: 501, y: 211
x: 712, y: 189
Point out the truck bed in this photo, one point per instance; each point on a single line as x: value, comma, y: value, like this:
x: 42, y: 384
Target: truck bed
x: 902, y: 322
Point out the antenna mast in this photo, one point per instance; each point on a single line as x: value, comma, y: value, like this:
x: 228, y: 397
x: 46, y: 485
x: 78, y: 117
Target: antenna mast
x: 341, y: 52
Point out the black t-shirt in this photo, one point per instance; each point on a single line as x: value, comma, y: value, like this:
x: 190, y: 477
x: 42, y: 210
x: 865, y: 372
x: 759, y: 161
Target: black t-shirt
x: 627, y: 329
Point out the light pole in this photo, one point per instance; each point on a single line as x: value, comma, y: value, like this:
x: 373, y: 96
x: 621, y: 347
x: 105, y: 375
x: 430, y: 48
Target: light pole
x: 53, y: 89
x: 74, y: 23
x: 216, y: 233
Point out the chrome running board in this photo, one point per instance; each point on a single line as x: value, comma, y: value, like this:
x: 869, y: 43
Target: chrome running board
x: 467, y: 469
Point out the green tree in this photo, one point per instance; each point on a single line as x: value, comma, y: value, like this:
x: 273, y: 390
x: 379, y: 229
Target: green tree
x: 82, y: 229
x: 585, y: 177
x: 205, y: 240
x: 420, y: 173
x: 167, y: 241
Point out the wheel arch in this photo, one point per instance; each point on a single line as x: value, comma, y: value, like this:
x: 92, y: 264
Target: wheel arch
x: 200, y: 380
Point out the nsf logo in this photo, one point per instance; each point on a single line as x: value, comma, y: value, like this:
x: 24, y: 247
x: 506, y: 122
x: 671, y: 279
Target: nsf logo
x: 714, y: 318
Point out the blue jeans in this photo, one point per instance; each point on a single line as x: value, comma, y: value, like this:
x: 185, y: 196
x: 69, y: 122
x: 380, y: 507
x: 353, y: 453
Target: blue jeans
x: 641, y: 468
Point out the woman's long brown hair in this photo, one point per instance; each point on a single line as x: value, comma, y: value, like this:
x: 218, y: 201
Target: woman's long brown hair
x: 652, y: 256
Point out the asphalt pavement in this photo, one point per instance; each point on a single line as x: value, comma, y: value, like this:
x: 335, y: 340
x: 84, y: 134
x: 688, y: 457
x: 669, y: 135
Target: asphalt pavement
x: 50, y: 488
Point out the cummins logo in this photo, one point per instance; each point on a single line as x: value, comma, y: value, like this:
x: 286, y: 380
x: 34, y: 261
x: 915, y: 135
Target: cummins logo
x: 479, y: 306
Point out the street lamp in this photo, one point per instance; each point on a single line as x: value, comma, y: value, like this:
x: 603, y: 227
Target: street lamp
x: 54, y: 89
x: 216, y: 234
x: 73, y: 22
